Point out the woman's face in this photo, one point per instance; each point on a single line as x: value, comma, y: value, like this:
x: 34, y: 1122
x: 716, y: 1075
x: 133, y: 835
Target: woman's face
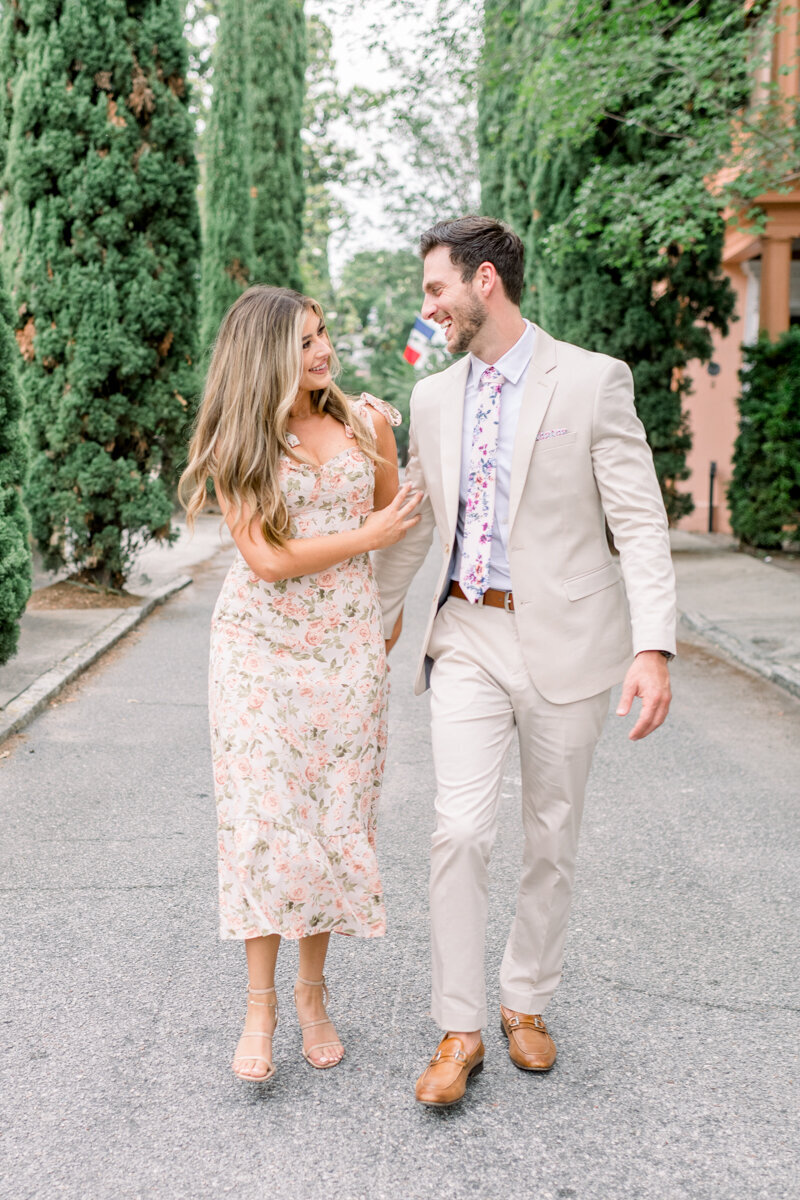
x: 315, y: 374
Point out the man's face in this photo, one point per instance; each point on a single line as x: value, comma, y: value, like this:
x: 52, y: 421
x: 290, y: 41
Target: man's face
x: 450, y: 302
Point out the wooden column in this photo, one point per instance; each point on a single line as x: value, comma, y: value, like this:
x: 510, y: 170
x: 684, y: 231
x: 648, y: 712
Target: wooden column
x: 787, y: 39
x: 776, y: 265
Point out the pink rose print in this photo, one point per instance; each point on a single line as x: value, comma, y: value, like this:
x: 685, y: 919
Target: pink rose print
x: 315, y: 633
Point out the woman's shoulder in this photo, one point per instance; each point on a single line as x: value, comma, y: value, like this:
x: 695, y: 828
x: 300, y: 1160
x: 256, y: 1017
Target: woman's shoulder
x: 366, y: 404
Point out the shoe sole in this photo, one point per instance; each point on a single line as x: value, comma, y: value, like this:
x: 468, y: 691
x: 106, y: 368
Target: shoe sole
x: 476, y: 1070
x: 519, y: 1066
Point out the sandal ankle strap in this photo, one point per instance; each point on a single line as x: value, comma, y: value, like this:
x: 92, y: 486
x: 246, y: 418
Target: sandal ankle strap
x: 315, y: 983
x: 262, y: 992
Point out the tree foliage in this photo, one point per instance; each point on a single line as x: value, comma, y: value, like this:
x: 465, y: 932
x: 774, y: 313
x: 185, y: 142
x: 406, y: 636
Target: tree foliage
x: 327, y: 163
x: 228, y: 250
x: 15, y: 555
x: 276, y: 57
x: 253, y: 154
x: 416, y: 135
x: 764, y: 494
x: 101, y: 225
x: 377, y: 301
x: 691, y: 79
x: 602, y: 126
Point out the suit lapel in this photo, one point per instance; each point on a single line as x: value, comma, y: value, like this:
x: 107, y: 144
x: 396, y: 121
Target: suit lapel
x: 451, y: 429
x: 539, y: 386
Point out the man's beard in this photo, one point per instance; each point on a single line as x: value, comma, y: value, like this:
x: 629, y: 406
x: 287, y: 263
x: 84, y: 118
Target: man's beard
x: 471, y: 320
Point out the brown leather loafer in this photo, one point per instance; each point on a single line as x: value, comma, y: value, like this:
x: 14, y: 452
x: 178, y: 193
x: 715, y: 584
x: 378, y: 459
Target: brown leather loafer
x: 444, y: 1080
x: 530, y: 1046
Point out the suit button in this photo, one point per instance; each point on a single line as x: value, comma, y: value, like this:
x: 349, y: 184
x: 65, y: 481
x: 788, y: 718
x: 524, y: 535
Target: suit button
x: 447, y: 548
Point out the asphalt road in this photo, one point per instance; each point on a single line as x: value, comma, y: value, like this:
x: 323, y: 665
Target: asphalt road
x: 677, y: 1021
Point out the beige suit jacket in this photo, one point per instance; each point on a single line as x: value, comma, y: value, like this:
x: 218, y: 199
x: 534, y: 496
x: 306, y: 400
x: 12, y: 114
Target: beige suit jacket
x: 578, y: 622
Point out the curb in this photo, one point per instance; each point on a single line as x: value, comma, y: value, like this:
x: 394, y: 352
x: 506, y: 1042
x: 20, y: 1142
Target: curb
x: 743, y: 652
x: 30, y: 702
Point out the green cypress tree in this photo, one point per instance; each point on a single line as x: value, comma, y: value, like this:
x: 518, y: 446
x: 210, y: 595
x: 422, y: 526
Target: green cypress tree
x: 276, y: 49
x: 15, y: 555
x: 326, y: 161
x: 228, y: 253
x: 103, y: 238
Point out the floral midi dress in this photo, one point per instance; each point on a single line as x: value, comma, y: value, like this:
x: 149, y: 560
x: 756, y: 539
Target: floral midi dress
x: 297, y: 698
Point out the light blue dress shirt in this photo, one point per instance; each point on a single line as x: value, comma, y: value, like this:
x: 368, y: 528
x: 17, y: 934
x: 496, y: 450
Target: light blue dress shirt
x: 513, y: 366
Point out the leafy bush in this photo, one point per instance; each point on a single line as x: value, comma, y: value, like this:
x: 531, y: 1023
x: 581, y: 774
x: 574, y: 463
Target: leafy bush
x: 764, y: 494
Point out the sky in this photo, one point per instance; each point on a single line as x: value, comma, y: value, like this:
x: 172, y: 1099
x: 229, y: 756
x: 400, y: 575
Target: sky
x: 357, y: 64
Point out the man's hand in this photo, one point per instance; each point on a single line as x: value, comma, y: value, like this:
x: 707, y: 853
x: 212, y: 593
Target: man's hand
x: 398, y: 629
x: 647, y: 677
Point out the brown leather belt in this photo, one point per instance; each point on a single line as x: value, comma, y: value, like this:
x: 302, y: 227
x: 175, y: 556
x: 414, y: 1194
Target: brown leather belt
x: 492, y: 596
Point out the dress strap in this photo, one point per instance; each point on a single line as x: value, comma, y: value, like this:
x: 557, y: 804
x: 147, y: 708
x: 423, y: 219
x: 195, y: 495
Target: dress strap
x: 365, y: 402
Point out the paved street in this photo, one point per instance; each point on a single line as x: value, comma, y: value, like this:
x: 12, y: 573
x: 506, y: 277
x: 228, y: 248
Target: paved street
x: 678, y: 1019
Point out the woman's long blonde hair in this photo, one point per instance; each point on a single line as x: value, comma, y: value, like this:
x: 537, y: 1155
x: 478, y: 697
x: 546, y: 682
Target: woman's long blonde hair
x: 241, y: 426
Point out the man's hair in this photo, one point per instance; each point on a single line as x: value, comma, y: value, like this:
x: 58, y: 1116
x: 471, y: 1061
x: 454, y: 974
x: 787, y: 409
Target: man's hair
x: 475, y: 240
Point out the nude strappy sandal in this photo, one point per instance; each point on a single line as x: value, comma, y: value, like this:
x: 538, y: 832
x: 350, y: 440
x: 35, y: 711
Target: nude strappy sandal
x: 321, y: 1021
x: 258, y: 1033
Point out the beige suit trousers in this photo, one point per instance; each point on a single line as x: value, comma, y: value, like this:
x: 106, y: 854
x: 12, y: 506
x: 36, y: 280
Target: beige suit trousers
x: 481, y: 692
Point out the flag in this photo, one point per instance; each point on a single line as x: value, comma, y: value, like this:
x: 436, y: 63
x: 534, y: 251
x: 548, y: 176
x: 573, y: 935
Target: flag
x: 418, y: 341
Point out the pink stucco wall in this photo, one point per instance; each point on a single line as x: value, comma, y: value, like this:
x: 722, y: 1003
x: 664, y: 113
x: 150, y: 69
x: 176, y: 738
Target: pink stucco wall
x: 713, y: 419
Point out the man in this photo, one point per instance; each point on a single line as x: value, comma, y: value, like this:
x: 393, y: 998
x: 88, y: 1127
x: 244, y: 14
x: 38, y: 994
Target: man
x: 524, y: 449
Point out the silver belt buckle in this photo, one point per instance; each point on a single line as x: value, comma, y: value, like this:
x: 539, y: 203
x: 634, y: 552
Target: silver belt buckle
x: 508, y: 597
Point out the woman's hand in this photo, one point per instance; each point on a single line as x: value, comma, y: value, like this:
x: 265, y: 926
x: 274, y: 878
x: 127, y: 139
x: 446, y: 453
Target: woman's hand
x: 391, y: 524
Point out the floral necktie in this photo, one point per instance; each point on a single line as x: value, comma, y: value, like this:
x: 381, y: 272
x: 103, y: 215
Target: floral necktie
x: 479, y: 514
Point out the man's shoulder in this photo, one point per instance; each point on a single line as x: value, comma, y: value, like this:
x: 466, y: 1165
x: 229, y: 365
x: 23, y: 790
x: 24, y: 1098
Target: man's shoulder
x: 594, y: 362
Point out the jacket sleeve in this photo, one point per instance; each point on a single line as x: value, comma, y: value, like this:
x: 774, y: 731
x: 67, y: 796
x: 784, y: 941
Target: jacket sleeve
x: 395, y: 566
x: 631, y: 498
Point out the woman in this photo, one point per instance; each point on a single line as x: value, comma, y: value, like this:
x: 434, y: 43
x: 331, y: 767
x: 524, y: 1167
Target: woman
x: 307, y: 481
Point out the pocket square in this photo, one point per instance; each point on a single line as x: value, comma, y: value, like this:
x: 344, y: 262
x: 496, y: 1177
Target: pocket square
x: 550, y: 433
